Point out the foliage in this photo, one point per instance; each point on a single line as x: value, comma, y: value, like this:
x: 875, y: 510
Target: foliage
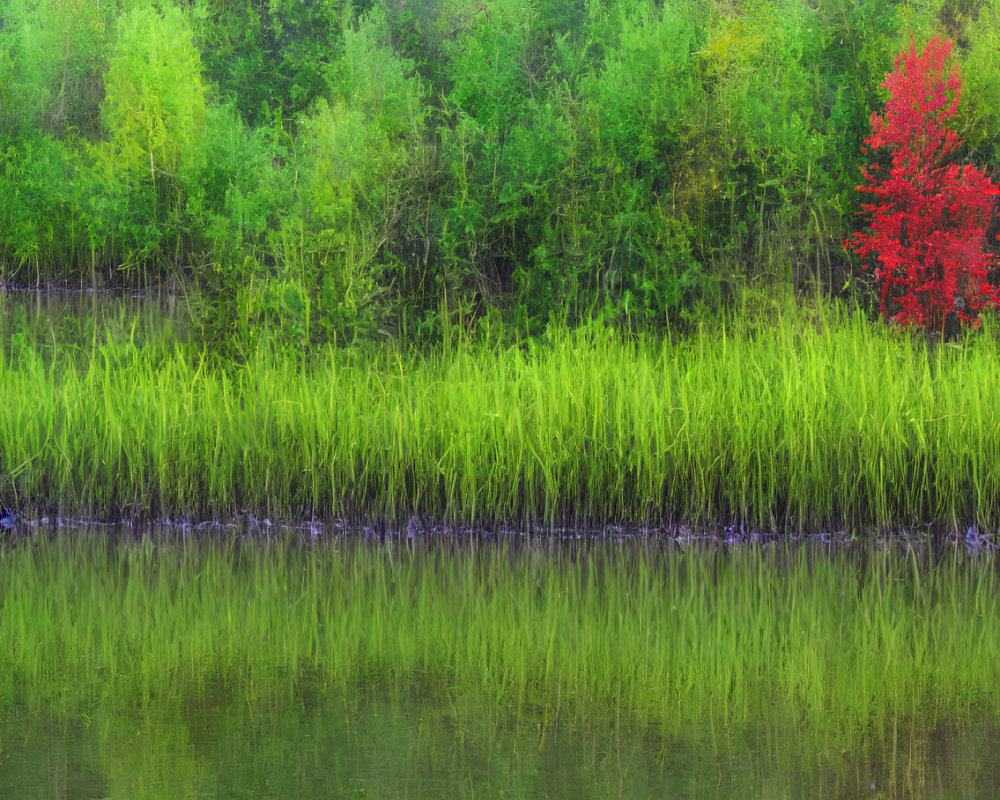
x: 154, y: 105
x: 979, y: 117
x: 269, y: 58
x: 403, y: 167
x: 634, y: 121
x: 928, y: 227
x: 322, y: 271
x: 36, y: 207
x: 52, y: 55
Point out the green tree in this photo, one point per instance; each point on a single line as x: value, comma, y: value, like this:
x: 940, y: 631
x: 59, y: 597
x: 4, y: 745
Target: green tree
x: 269, y: 58
x: 154, y: 105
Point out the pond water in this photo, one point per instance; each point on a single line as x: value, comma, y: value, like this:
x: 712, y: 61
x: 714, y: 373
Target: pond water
x: 406, y: 748
x: 65, y: 322
x: 387, y: 747
x: 371, y: 742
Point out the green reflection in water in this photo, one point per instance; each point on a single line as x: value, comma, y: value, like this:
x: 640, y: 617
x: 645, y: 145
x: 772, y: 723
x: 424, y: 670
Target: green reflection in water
x: 408, y: 747
x: 168, y: 667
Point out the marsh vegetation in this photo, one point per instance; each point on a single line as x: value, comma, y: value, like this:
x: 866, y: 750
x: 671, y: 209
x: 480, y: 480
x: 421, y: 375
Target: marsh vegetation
x: 486, y: 386
x: 786, y: 418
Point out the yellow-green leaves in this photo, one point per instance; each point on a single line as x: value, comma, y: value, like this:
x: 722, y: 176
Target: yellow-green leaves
x: 155, y: 101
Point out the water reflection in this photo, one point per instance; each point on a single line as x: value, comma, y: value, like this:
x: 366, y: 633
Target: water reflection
x: 310, y: 739
x: 67, y: 323
x: 407, y: 747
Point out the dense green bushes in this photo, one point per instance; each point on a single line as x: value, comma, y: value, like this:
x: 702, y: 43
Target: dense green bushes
x: 325, y: 170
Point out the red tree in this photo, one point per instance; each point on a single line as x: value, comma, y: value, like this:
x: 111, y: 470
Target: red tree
x: 928, y: 225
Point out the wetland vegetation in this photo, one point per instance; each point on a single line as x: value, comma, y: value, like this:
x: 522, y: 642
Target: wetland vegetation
x: 536, y: 321
x: 804, y: 418
x: 450, y: 259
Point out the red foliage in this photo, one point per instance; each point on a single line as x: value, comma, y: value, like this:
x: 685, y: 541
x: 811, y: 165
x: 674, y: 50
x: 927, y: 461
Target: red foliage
x: 928, y: 227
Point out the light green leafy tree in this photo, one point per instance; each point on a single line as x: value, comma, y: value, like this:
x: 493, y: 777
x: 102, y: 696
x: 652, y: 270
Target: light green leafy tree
x: 154, y: 105
x: 979, y: 117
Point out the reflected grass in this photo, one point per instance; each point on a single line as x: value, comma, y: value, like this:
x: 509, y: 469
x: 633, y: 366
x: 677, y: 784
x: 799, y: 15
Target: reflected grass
x: 827, y: 639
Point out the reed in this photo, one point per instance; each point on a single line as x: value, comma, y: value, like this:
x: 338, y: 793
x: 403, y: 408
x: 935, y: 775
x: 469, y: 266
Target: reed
x: 815, y: 418
x: 666, y: 636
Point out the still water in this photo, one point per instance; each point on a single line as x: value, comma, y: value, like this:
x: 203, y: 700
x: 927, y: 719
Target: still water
x: 377, y: 747
x: 376, y: 742
x: 406, y: 748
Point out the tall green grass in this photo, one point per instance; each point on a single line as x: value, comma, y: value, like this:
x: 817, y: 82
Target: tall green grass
x: 655, y: 633
x: 808, y: 419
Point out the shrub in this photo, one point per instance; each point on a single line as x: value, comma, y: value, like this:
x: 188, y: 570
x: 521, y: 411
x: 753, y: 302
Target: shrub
x: 928, y: 225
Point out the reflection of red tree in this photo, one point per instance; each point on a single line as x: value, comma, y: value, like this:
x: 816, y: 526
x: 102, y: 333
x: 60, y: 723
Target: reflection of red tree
x: 928, y: 227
